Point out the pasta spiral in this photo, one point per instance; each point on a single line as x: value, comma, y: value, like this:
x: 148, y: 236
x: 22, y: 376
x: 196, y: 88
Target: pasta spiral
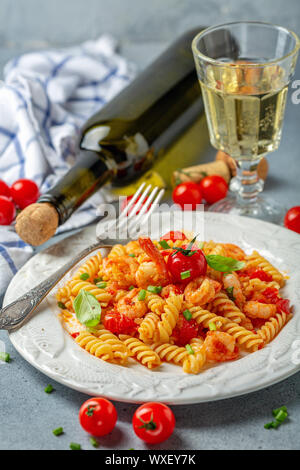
x: 148, y: 327
x: 170, y: 352
x: 97, y: 347
x: 256, y: 285
x: 168, y: 319
x: 90, y: 267
x: 244, y: 337
x: 205, y: 317
x: 118, y: 346
x: 117, y: 251
x: 101, y: 295
x: 257, y: 261
x: 155, y: 303
x: 223, y: 305
x: 273, y: 326
x: 140, y: 351
x: 195, y: 362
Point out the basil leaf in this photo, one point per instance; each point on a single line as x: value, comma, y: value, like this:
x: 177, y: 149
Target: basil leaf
x: 87, y: 308
x: 224, y: 264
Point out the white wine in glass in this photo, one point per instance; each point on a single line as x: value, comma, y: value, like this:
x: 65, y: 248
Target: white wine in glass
x: 244, y: 86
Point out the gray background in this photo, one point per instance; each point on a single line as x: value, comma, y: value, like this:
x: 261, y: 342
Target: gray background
x: 144, y: 28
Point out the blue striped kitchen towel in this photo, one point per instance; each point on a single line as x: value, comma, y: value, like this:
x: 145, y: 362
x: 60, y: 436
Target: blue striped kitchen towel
x: 45, y: 98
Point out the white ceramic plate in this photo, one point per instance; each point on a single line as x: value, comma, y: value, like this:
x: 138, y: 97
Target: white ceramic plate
x: 44, y: 343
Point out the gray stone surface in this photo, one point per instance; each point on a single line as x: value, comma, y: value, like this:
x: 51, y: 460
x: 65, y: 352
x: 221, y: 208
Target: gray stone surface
x: 27, y: 414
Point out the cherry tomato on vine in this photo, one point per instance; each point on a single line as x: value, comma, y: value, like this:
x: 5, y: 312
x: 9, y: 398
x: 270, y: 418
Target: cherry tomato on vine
x: 187, y: 193
x: 7, y: 211
x: 153, y: 422
x: 98, y: 416
x: 292, y: 219
x: 214, y: 188
x: 184, y: 268
x: 127, y: 201
x: 4, y: 189
x: 24, y: 192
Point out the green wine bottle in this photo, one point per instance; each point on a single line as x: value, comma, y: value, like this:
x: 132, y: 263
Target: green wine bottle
x: 138, y: 127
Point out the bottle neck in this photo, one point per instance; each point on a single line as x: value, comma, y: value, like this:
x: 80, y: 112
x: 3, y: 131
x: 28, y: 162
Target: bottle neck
x: 92, y: 171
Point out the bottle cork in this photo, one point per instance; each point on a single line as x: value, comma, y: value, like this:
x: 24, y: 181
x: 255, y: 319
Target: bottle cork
x: 37, y: 223
x: 198, y: 172
x: 262, y: 169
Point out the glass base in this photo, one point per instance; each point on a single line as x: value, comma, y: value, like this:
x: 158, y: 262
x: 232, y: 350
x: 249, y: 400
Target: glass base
x: 270, y: 211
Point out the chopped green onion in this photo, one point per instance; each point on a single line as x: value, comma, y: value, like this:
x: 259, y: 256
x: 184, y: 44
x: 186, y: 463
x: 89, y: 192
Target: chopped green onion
x: 276, y: 411
x: 131, y: 288
x: 164, y: 244
x: 189, y: 349
x: 268, y: 425
x: 281, y: 416
x: 84, y: 276
x: 97, y: 280
x: 74, y: 446
x: 212, y: 326
x: 94, y: 442
x: 276, y: 424
x: 185, y: 274
x: 132, y: 255
x: 154, y: 289
x: 5, y: 357
x: 49, y: 389
x: 61, y: 305
x: 102, y: 285
x: 142, y: 294
x: 187, y: 315
x: 58, y: 431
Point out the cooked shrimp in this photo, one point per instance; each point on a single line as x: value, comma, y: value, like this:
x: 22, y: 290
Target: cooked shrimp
x: 154, y: 254
x: 171, y: 289
x: 232, y: 282
x: 121, y: 270
x: 234, y: 251
x: 201, y: 290
x: 255, y: 309
x: 148, y: 274
x: 220, y: 346
x: 131, y: 306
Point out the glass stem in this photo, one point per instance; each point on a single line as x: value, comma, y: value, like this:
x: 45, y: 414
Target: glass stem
x: 249, y: 183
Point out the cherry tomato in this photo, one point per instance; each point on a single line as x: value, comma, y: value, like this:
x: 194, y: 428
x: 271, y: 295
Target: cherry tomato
x: 185, y: 330
x: 98, y: 416
x: 173, y: 235
x: 261, y: 274
x: 128, y: 199
x: 119, y: 324
x: 153, y: 422
x: 24, y: 192
x: 292, y: 219
x: 213, y: 188
x: 187, y: 193
x: 7, y: 211
x: 194, y: 265
x: 4, y: 189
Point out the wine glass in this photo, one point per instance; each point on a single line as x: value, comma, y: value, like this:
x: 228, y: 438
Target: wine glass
x: 244, y: 69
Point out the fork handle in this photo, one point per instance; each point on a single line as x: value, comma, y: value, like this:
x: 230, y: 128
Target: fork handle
x: 15, y: 314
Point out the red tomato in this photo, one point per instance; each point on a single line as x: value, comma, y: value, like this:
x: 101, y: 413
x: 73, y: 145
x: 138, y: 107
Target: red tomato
x: 119, y: 324
x: 213, y: 188
x: 179, y: 263
x: 98, y: 416
x: 292, y: 219
x: 261, y: 274
x: 4, y: 189
x: 185, y: 330
x: 153, y: 422
x: 24, y: 192
x: 283, y: 305
x: 173, y: 235
x: 7, y: 211
x: 187, y: 193
x: 128, y: 199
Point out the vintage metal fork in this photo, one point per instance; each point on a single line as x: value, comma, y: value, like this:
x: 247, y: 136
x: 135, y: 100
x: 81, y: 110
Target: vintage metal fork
x: 14, y: 315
